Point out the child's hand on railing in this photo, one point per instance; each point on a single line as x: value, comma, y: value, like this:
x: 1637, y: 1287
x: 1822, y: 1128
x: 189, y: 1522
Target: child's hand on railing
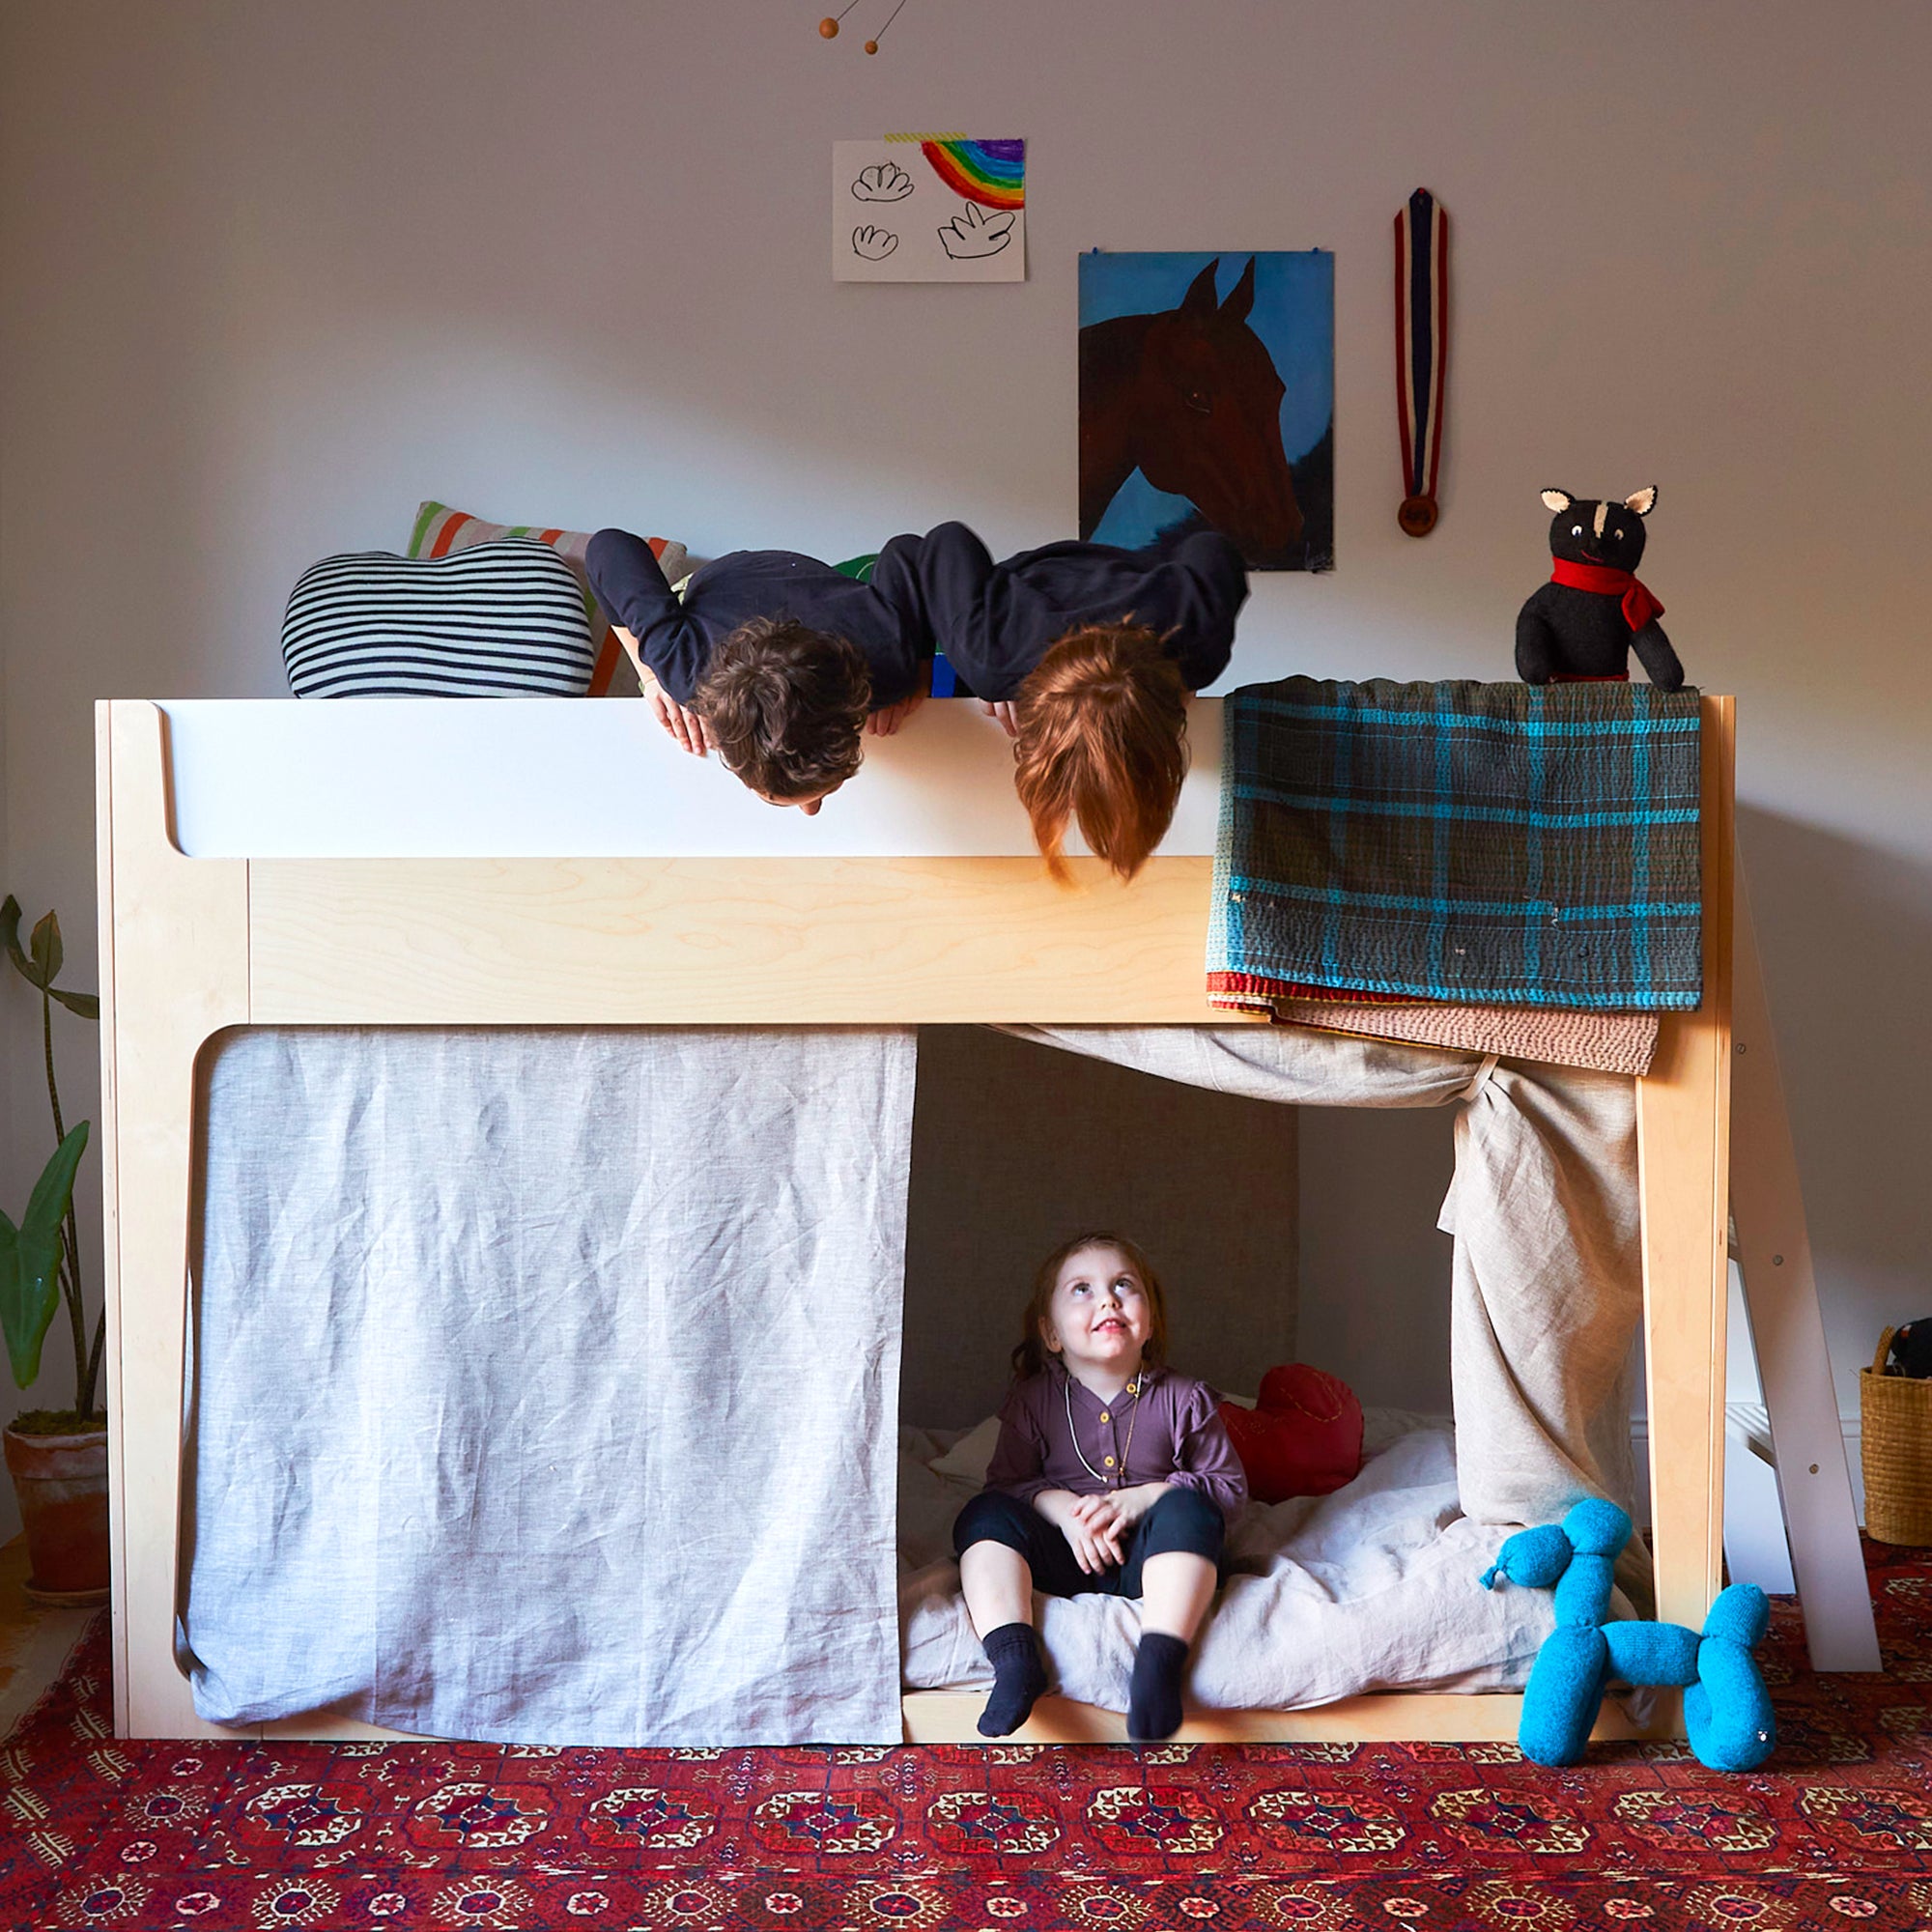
x: 883, y: 723
x: 679, y: 719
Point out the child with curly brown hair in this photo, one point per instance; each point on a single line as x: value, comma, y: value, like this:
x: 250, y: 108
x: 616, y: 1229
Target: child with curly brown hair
x: 1084, y: 653
x: 775, y: 661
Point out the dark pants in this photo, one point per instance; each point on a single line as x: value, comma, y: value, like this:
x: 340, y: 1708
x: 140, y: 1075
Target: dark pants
x: 1182, y: 1519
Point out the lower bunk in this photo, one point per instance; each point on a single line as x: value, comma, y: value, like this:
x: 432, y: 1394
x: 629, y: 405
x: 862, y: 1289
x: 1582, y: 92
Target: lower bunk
x: 545, y: 1388
x: 1357, y: 1614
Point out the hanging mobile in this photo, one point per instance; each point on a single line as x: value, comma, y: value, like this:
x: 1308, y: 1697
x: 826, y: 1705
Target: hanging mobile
x: 1421, y: 348
x: 829, y: 26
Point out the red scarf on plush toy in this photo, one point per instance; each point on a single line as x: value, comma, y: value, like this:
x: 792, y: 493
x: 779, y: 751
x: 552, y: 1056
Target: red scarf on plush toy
x: 1639, y: 606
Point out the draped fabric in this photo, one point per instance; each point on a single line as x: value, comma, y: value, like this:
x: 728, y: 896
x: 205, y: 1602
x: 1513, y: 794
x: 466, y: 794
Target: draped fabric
x: 1548, y: 1282
x: 546, y: 1383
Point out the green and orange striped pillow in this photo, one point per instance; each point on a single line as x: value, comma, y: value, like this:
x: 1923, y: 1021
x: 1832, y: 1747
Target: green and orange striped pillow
x: 439, y: 531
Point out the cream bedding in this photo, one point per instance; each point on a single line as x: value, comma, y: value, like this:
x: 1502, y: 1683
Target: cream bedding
x: 1372, y: 1588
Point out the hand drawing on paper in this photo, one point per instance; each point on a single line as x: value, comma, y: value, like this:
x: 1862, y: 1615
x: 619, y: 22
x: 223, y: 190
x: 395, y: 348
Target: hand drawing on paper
x: 929, y: 207
x: 973, y: 235
x: 884, y: 182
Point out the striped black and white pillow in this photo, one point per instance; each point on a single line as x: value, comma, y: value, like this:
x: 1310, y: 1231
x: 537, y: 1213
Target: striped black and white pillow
x: 496, y: 620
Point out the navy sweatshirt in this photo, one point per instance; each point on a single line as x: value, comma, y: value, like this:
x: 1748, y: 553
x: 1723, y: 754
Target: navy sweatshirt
x: 995, y: 622
x: 880, y: 618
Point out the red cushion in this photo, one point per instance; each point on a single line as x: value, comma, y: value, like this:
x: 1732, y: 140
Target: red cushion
x: 1303, y: 1438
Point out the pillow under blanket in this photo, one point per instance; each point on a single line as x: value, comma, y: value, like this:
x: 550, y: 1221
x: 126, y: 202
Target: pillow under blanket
x: 498, y: 620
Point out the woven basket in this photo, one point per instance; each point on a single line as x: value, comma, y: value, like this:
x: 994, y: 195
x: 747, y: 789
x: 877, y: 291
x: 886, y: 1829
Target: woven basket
x: 1896, y: 1451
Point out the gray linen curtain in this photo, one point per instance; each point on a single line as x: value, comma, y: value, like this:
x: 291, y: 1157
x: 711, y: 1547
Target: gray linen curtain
x: 546, y: 1383
x: 1543, y: 1212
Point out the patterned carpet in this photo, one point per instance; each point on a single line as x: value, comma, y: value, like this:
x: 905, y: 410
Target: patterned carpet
x: 1836, y: 1831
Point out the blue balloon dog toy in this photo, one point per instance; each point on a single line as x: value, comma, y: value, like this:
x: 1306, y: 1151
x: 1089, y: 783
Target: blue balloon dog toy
x: 1726, y: 1707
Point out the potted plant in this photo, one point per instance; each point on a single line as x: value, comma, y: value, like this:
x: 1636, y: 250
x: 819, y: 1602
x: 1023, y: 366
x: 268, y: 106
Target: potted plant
x: 57, y: 1457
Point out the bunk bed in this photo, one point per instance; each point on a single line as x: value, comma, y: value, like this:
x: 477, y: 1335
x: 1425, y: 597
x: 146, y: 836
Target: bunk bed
x: 281, y: 871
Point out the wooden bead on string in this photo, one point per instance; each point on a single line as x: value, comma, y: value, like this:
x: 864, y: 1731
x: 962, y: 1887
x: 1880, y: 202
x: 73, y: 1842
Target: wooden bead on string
x: 829, y: 26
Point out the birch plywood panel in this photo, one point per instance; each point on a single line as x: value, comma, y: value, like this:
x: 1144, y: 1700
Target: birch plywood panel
x: 950, y: 1717
x: 174, y: 970
x: 1682, y: 1120
x: 875, y: 942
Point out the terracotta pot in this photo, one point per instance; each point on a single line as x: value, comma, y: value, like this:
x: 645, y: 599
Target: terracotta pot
x: 62, y: 1483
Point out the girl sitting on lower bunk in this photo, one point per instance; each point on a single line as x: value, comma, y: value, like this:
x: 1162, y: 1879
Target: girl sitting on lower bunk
x: 1112, y: 1474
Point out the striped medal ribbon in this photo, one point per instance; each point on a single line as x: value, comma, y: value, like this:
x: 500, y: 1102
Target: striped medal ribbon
x: 1421, y: 348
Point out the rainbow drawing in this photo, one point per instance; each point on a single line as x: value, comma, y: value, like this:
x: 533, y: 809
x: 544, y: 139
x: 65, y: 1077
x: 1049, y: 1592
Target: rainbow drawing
x: 992, y: 173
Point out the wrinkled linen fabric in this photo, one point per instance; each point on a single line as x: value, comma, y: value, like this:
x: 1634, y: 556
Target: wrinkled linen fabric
x: 1546, y: 1266
x: 1375, y: 1587
x: 546, y: 1383
x: 1547, y: 1274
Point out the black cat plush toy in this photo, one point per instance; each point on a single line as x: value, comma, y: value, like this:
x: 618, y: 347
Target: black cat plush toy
x: 1585, y: 621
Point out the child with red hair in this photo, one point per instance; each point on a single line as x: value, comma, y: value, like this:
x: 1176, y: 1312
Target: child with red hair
x: 1085, y: 654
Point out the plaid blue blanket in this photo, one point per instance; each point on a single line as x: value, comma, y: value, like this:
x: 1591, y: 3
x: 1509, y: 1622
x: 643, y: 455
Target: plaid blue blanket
x: 1503, y: 844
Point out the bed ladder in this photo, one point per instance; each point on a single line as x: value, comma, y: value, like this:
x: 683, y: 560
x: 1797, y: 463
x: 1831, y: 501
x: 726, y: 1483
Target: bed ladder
x: 1771, y: 1248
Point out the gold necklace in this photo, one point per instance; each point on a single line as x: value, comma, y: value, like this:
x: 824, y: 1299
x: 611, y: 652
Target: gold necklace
x: 1120, y: 1480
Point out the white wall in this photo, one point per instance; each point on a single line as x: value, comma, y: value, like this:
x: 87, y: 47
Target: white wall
x: 273, y: 272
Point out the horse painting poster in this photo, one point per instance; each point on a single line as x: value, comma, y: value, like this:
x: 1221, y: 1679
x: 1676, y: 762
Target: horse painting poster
x: 1207, y: 401
x: 929, y: 208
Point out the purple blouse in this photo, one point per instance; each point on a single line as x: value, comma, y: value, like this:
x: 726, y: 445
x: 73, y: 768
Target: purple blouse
x: 1177, y: 1438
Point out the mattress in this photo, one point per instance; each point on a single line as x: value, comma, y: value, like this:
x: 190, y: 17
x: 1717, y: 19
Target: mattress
x: 1373, y: 1588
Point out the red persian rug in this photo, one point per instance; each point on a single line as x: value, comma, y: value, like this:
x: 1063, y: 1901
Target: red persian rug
x: 1836, y: 1831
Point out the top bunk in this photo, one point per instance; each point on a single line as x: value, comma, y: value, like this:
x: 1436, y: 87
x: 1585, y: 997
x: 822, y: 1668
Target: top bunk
x: 527, y: 861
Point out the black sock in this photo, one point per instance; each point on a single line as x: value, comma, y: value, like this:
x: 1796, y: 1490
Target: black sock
x: 1153, y: 1699
x: 1018, y: 1678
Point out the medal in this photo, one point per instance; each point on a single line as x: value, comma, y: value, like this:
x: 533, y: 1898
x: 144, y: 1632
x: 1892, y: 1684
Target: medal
x: 1421, y: 341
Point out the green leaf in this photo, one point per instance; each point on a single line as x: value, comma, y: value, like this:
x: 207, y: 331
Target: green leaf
x: 10, y: 934
x: 86, y: 1004
x: 30, y: 1259
x: 48, y: 1204
x: 46, y: 950
x: 29, y: 1296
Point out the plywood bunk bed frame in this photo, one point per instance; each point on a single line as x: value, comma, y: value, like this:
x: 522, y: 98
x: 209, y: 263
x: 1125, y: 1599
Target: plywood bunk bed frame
x: 190, y: 947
